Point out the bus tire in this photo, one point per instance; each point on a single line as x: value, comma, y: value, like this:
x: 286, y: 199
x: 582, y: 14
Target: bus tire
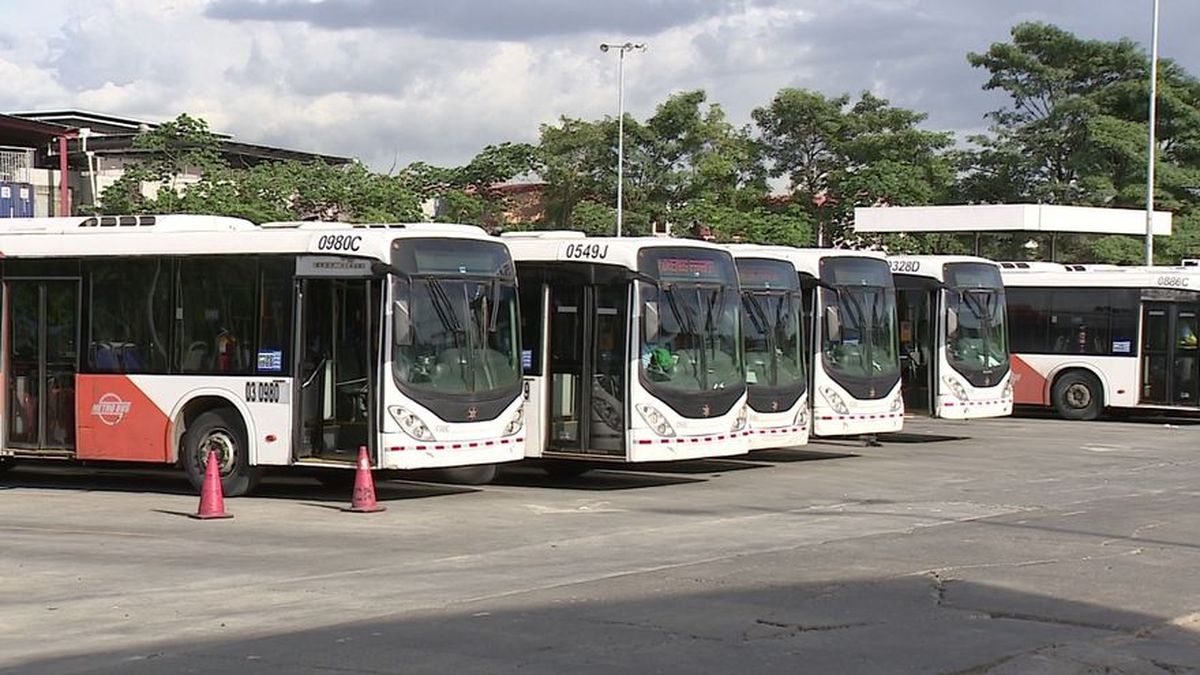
x: 222, y: 430
x: 468, y: 475
x: 565, y: 468
x: 1078, y: 395
x: 7, y: 463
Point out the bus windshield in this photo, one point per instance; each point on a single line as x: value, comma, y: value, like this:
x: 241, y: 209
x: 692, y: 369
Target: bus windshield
x: 976, y: 338
x: 771, y: 323
x: 691, y: 328
x: 858, y: 315
x: 455, y: 327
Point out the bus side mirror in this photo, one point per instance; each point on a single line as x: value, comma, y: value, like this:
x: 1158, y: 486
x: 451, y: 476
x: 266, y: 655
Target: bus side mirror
x: 401, y: 324
x: 651, y: 318
x: 833, y: 324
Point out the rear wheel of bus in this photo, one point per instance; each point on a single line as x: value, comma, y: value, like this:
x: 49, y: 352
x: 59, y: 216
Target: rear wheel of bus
x: 1078, y: 395
x: 221, y: 431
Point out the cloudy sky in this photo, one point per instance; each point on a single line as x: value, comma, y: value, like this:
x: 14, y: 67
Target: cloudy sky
x: 393, y: 81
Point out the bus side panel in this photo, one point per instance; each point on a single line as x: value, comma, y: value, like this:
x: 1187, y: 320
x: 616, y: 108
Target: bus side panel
x: 1029, y: 386
x: 263, y: 402
x: 116, y: 420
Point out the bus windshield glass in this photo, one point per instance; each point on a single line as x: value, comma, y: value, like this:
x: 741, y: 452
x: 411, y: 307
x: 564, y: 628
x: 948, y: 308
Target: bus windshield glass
x: 771, y: 323
x: 691, y: 328
x: 455, y: 317
x: 858, y: 317
x: 976, y: 337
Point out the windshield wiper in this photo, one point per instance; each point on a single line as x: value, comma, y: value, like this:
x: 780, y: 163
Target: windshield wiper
x: 684, y: 318
x: 757, y: 313
x: 449, y: 317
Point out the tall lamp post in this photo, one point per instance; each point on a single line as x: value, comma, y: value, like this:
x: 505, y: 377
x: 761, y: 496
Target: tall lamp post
x: 1150, y: 154
x: 621, y: 49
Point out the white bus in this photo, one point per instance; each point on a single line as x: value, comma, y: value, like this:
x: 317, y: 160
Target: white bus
x: 850, y: 330
x: 632, y: 349
x: 954, y: 359
x: 1086, y: 338
x: 775, y: 349
x: 159, y: 338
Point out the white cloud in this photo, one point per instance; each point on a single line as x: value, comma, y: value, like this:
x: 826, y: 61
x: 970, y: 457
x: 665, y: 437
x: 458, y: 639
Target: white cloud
x: 398, y: 93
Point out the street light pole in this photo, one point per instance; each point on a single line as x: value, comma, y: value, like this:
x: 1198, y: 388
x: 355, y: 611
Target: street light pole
x: 621, y: 49
x: 1151, y: 146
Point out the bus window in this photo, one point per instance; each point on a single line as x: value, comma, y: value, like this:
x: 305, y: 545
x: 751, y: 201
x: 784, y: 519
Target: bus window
x: 130, y: 316
x: 216, y: 304
x: 273, y: 350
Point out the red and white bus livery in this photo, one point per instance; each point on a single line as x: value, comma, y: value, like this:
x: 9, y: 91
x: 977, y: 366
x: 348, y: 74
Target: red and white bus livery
x: 161, y: 338
x: 1090, y: 337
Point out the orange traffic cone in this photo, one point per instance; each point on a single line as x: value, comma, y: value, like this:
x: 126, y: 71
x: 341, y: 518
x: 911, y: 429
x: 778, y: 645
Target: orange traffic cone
x: 363, y: 499
x: 212, y: 500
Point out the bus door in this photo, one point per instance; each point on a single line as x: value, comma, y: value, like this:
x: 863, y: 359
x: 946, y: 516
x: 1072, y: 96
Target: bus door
x: 337, y: 365
x: 42, y: 348
x: 586, y: 370
x: 1170, y: 357
x: 918, y: 368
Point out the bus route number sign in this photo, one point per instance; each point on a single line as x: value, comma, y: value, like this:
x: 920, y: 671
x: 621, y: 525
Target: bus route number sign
x: 1173, y: 282
x: 263, y: 392
x: 339, y: 242
x: 586, y: 251
x: 906, y: 266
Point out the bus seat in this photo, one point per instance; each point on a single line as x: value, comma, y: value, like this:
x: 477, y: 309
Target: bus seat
x: 104, y: 359
x: 447, y: 373
x: 195, y: 357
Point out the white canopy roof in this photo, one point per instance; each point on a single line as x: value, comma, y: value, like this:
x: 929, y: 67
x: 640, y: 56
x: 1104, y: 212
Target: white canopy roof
x: 1008, y: 218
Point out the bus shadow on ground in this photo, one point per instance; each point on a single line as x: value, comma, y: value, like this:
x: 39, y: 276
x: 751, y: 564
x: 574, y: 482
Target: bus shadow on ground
x: 598, y: 479
x: 789, y: 455
x: 1165, y: 419
x: 296, y: 488
x: 913, y: 437
x: 699, y: 466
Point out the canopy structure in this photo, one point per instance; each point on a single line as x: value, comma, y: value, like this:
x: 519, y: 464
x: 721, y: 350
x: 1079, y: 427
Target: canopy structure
x: 993, y: 218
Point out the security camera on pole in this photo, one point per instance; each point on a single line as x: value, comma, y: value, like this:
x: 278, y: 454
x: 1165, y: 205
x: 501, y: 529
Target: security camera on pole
x: 621, y: 49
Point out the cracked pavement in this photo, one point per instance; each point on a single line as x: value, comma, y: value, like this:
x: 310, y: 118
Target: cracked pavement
x: 999, y: 546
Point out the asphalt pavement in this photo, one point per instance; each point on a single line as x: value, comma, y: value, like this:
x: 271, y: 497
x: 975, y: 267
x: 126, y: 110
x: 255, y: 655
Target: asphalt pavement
x: 997, y: 546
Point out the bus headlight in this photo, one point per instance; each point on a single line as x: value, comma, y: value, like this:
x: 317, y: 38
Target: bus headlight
x: 802, y: 416
x: 1008, y: 389
x: 956, y: 388
x: 898, y: 402
x: 516, y: 423
x: 655, y: 419
x: 739, y: 422
x: 835, y: 401
x: 410, y: 423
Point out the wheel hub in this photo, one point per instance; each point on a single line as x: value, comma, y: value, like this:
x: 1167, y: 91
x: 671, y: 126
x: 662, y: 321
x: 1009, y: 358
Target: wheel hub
x: 1078, y: 396
x: 222, y: 443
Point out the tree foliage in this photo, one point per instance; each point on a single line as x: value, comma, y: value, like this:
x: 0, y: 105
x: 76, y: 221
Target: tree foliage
x: 1072, y: 131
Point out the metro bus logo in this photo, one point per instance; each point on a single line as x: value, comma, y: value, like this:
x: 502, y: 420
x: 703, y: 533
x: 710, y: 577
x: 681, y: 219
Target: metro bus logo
x: 111, y: 409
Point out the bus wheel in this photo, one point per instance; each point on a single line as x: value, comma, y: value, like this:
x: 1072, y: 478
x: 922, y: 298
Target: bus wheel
x: 565, y: 468
x: 467, y: 475
x: 7, y: 463
x: 1077, y: 395
x: 220, y: 430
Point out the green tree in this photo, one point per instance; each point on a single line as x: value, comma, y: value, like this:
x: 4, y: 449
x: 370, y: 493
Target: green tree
x: 1074, y: 132
x: 836, y: 155
x: 167, y: 151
